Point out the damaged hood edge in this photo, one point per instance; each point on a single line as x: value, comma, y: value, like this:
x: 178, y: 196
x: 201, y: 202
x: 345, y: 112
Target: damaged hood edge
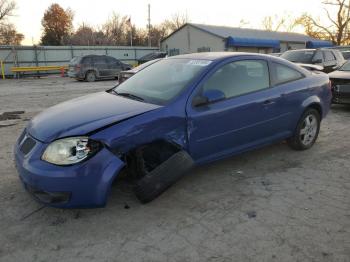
x: 85, y: 115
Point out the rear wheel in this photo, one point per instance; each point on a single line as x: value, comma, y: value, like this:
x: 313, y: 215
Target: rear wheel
x: 307, y: 130
x: 90, y: 76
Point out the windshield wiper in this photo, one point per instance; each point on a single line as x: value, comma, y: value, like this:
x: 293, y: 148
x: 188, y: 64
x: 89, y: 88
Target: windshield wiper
x: 128, y: 95
x: 111, y: 90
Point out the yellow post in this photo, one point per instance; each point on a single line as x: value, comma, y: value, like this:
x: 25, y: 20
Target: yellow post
x: 2, y: 69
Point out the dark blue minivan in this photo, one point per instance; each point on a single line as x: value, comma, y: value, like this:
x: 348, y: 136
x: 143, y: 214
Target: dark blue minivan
x: 181, y: 111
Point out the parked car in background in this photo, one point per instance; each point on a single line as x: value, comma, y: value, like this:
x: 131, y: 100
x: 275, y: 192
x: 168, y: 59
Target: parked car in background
x: 326, y: 60
x: 124, y: 75
x: 151, y: 56
x: 93, y: 67
x: 184, y: 110
x: 341, y: 84
x: 275, y: 54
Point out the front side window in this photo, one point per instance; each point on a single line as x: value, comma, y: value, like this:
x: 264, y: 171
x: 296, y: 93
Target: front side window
x: 162, y: 81
x: 284, y: 74
x: 111, y: 60
x: 238, y: 78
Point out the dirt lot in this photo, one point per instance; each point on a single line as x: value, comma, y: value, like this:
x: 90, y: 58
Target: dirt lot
x: 272, y: 204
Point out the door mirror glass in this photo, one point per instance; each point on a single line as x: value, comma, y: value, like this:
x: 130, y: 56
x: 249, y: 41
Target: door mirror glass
x: 208, y: 96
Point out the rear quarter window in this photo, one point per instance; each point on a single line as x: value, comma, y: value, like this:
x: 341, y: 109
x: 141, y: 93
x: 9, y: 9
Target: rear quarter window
x: 75, y: 60
x: 99, y: 60
x: 284, y: 74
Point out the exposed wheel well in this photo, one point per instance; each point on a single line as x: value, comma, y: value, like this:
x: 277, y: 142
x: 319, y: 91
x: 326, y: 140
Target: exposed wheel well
x: 145, y: 158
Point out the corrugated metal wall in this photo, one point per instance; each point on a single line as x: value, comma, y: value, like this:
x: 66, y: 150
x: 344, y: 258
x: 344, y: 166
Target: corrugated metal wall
x: 61, y: 55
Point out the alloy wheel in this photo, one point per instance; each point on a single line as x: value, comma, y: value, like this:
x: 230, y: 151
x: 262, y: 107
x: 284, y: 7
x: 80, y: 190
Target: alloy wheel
x: 309, y: 130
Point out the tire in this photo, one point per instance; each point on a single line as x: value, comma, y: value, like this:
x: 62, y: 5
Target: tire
x: 158, y: 180
x: 90, y: 76
x: 307, y: 130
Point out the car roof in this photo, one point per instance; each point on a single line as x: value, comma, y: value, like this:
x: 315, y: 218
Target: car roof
x: 93, y: 55
x: 305, y: 49
x: 313, y: 49
x: 216, y: 55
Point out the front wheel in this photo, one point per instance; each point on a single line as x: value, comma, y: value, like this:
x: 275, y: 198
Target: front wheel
x: 307, y: 130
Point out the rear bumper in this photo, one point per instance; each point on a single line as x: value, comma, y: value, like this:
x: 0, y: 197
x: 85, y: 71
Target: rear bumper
x: 73, y: 74
x: 83, y: 185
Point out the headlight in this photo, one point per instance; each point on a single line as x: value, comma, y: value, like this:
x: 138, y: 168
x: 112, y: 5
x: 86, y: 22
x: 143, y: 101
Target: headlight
x: 71, y: 150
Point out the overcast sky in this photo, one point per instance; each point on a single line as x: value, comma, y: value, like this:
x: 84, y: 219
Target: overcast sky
x: 218, y: 12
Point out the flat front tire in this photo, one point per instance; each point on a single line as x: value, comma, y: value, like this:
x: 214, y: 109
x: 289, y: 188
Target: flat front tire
x: 158, y: 180
x: 307, y: 130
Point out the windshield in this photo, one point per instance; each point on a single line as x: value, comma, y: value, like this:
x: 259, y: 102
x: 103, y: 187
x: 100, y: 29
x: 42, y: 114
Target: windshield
x: 302, y: 56
x: 162, y: 81
x: 345, y: 67
x: 144, y: 65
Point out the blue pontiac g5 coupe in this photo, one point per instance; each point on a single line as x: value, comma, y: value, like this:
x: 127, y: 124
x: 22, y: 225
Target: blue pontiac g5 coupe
x: 184, y: 110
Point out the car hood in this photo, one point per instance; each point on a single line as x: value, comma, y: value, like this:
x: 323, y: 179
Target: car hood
x: 311, y: 67
x: 340, y: 75
x: 83, y: 115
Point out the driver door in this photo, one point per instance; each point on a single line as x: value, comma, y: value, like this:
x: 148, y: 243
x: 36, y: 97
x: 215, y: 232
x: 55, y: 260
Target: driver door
x: 245, y: 118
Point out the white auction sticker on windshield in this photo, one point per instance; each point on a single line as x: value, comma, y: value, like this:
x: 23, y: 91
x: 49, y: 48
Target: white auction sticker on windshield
x: 199, y: 62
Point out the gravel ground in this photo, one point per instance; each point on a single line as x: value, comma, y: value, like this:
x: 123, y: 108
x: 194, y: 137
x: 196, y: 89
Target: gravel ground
x: 272, y: 204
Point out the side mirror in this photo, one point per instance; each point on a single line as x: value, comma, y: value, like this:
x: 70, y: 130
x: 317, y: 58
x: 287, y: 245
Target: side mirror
x: 208, y: 97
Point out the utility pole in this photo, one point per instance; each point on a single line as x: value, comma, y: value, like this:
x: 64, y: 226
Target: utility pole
x: 149, y: 25
x: 347, y: 26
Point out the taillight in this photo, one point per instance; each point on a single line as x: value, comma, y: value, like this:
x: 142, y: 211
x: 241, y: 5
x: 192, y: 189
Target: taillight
x: 330, y: 84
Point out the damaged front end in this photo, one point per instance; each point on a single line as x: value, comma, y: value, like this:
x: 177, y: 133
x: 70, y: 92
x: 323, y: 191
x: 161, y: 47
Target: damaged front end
x: 153, y: 148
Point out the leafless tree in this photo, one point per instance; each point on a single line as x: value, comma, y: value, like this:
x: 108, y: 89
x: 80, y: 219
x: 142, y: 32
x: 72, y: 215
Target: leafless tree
x: 116, y: 29
x: 8, y: 32
x: 7, y: 8
x: 175, y: 22
x: 285, y: 23
x: 9, y: 35
x: 335, y: 29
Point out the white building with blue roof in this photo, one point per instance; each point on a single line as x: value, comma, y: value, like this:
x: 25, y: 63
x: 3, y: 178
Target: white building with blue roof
x: 191, y: 38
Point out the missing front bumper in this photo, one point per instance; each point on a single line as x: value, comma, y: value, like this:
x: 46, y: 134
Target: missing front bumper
x: 48, y: 197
